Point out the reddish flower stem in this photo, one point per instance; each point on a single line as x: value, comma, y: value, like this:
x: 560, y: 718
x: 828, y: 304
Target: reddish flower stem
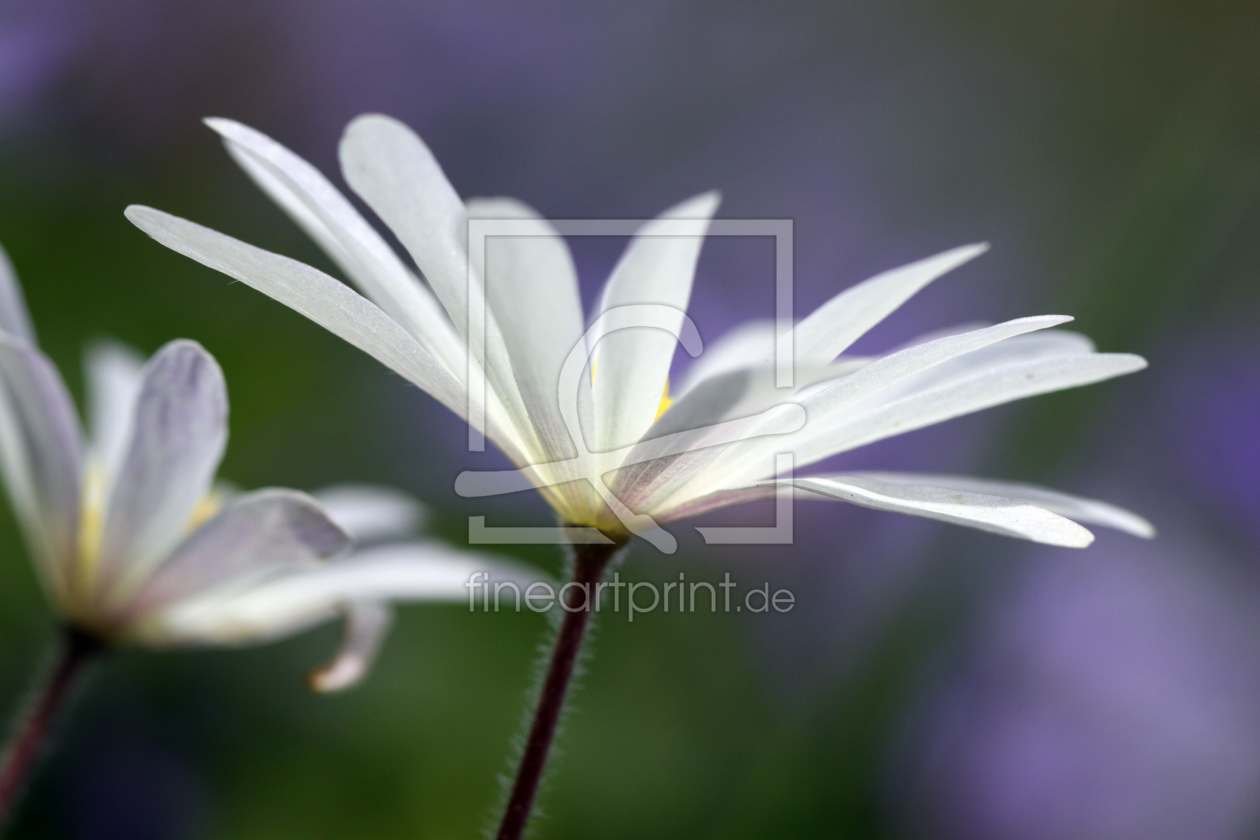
x: 589, y: 564
x: 30, y: 738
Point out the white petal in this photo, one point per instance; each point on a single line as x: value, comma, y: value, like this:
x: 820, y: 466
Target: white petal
x: 114, y: 377
x: 963, y: 396
x: 1046, y: 344
x: 396, y: 174
x: 532, y: 289
x: 699, y: 416
x: 254, y: 537
x: 14, y: 317
x: 42, y: 455
x: 332, y: 221
x: 976, y: 510
x: 366, y: 624
x: 178, y: 433
x: 1073, y: 507
x: 839, y: 322
x: 368, y: 512
x: 314, y: 294
x: 831, y: 398
x: 830, y: 405
x: 746, y: 346
x: 633, y: 364
x: 301, y: 597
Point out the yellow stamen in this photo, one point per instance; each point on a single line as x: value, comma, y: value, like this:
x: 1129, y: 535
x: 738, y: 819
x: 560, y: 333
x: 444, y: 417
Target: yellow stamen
x: 91, y: 524
x: 206, y: 507
x: 666, y: 402
x: 666, y: 399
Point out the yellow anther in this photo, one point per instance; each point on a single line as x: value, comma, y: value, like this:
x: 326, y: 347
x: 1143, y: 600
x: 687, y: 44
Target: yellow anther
x: 206, y: 507
x: 91, y: 523
x: 666, y: 402
x: 666, y: 399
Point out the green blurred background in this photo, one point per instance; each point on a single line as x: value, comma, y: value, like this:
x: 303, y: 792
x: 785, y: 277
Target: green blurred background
x: 930, y: 682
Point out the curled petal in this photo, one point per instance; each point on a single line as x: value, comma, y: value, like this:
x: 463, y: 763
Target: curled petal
x: 366, y: 623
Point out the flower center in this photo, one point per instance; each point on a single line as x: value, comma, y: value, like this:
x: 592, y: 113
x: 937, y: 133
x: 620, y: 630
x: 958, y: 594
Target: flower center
x: 92, y: 522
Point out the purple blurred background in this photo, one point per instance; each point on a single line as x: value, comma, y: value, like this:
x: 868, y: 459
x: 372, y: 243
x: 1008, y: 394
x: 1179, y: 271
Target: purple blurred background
x: 930, y: 683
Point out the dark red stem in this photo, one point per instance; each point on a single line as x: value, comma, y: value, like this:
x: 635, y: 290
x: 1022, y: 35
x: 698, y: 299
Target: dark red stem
x: 589, y: 564
x: 30, y: 738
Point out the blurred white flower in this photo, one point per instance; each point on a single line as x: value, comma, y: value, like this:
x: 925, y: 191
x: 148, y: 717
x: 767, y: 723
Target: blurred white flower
x: 605, y: 443
x: 134, y: 545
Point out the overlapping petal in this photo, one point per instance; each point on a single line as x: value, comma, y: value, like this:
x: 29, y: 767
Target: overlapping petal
x: 299, y: 596
x: 333, y: 222
x: 309, y: 291
x: 115, y: 374
x: 515, y: 302
x: 42, y: 453
x: 252, y: 538
x: 178, y: 434
x: 633, y: 364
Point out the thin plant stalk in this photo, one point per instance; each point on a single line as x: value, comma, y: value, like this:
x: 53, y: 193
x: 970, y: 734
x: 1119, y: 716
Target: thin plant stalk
x: 30, y: 737
x: 588, y: 568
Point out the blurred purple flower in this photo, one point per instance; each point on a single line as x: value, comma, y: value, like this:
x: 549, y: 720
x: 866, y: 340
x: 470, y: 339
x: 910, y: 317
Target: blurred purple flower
x: 1114, y: 699
x: 1214, y: 395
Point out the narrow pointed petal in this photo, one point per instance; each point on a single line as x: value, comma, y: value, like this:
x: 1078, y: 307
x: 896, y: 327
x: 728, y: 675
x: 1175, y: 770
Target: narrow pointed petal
x: 309, y: 291
x: 1037, y: 346
x: 831, y: 399
x: 1076, y: 508
x: 369, y: 513
x: 964, y: 396
x: 254, y: 537
x: 834, y: 326
x: 633, y: 364
x: 333, y: 222
x: 832, y: 403
x: 178, y: 433
x: 14, y: 317
x: 114, y: 377
x: 366, y: 625
x: 748, y: 345
x: 42, y: 454
x: 532, y: 289
x: 395, y: 173
x: 986, y: 512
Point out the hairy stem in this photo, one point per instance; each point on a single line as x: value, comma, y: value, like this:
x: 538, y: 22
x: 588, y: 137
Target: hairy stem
x: 589, y: 564
x: 30, y: 737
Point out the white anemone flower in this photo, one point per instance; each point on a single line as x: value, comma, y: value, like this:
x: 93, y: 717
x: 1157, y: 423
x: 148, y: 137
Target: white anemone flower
x: 133, y: 543
x: 603, y: 439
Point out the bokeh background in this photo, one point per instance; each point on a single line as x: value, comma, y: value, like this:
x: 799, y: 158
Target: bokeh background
x: 930, y: 683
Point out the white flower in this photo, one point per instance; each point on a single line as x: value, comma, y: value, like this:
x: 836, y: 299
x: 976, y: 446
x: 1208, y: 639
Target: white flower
x: 602, y: 443
x: 133, y: 544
